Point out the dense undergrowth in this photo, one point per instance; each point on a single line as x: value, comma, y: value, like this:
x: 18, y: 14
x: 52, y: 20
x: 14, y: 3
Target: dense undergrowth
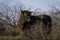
x: 37, y: 32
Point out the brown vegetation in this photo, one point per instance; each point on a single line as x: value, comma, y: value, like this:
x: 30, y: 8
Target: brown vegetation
x: 36, y: 31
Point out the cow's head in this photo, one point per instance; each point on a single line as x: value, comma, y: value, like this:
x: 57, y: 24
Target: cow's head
x: 25, y: 15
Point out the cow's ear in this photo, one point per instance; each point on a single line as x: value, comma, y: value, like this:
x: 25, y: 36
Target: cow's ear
x: 22, y: 12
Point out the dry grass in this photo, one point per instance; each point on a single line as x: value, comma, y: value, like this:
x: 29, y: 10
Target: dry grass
x: 37, y: 32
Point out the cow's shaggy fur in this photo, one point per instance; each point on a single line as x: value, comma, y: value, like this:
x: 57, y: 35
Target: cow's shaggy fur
x: 26, y: 20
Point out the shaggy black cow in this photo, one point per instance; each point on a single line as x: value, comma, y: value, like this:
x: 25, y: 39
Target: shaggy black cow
x: 30, y: 20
